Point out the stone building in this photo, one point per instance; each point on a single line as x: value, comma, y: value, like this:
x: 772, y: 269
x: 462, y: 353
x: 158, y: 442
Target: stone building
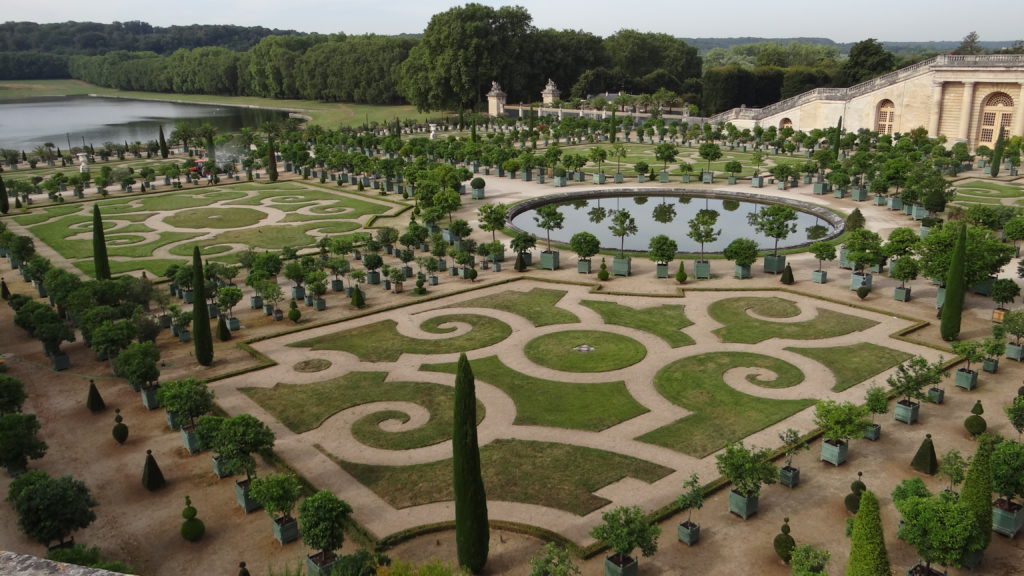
x: 965, y: 98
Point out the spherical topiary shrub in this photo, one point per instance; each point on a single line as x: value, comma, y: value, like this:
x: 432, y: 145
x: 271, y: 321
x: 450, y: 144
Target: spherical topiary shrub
x: 603, y: 273
x: 120, y: 430
x: 974, y: 423
x: 784, y: 543
x: 192, y: 529
x: 852, y: 500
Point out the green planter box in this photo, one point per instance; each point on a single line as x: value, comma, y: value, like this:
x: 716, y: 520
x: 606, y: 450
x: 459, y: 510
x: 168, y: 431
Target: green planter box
x: 60, y: 362
x: 879, y: 200
x: 990, y: 365
x: 631, y: 568
x: 702, y: 269
x: 218, y: 467
x: 774, y: 263
x: 549, y: 260
x: 839, y: 193
x: 234, y: 324
x: 663, y: 177
x: 873, y: 432
x: 688, y: 533
x: 661, y: 270
x: 757, y: 181
x: 686, y: 178
x: 373, y: 277
x: 1014, y: 352
x: 920, y: 212
x: 559, y: 181
x: 316, y: 567
x: 789, y: 476
x: 901, y: 294
x: 732, y: 180
x: 820, y: 188
x: 844, y: 258
x: 819, y: 276
x: 255, y: 302
x: 243, y: 499
x: 894, y: 203
x: 742, y: 506
x: 906, y: 413
x: 298, y: 292
x: 478, y: 194
x: 742, y: 272
x: 707, y: 177
x: 172, y: 420
x: 583, y: 266
x: 984, y: 288
x: 190, y: 441
x: 966, y: 379
x: 1007, y: 522
x: 600, y: 178
x: 622, y: 266
x: 940, y: 297
x: 149, y: 399
x: 618, y: 178
x: 834, y: 454
x: 859, y: 194
x: 285, y: 529
x: 858, y: 280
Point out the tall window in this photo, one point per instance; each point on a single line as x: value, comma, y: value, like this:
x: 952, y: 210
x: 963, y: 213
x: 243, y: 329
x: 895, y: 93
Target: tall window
x: 996, y: 111
x: 886, y: 117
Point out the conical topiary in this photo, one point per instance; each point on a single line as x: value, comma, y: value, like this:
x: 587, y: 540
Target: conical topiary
x: 358, y: 299
x: 868, y: 556
x: 223, y: 334
x: 152, y: 477
x: 520, y: 265
x: 5, y: 292
x: 120, y: 430
x: 974, y: 423
x: 852, y: 500
x: 681, y: 273
x: 784, y: 543
x: 863, y: 291
x: 787, y: 276
x: 925, y: 461
x: 192, y: 529
x: 95, y: 402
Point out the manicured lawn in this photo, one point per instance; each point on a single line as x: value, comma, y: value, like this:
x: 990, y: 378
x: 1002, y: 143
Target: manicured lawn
x: 721, y: 414
x: 38, y: 215
x: 381, y: 342
x: 540, y: 402
x: 220, y: 218
x: 739, y: 326
x: 155, y: 268
x: 610, y: 351
x: 665, y: 322
x: 539, y: 305
x: 991, y: 188
x: 854, y: 364
x: 559, y: 476
x: 303, y: 407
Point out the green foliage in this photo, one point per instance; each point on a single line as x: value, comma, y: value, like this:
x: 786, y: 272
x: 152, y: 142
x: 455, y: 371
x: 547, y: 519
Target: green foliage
x: 876, y: 400
x: 139, y: 364
x: 94, y: 402
x: 954, y: 467
x: 775, y: 221
x: 223, y: 334
x: 857, y: 490
x: 942, y: 529
x: 840, y: 421
x: 783, y: 543
x: 787, y: 276
x: 277, y: 493
x: 89, y: 557
x: 693, y: 497
x: 12, y: 394
x: 1015, y: 412
x: 602, y: 274
x: 51, y: 509
x: 681, y: 273
x: 746, y: 468
x: 702, y: 228
x: 201, y: 333
x: 19, y: 441
x: 358, y: 298
x: 471, y: 528
x: 584, y: 244
x: 294, y: 314
x: 791, y: 444
x: 553, y: 560
x: 925, y: 460
x: 99, y: 246
x: 823, y: 251
x: 237, y: 439
x: 956, y: 287
x: 742, y: 251
x: 322, y: 519
x: 152, y: 476
x: 623, y: 225
x: 120, y: 429
x: 1007, y: 462
x: 913, y: 376
x: 868, y: 555
x: 855, y: 220
x: 977, y: 489
x: 192, y: 529
x: 625, y: 529
x: 662, y: 249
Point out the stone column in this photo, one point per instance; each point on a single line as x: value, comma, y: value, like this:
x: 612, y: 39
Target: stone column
x: 966, y: 111
x: 933, y: 120
x: 1018, y: 114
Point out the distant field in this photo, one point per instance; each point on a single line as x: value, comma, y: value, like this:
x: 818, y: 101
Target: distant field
x: 324, y: 113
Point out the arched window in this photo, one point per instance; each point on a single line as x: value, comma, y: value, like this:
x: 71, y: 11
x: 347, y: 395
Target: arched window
x: 885, y: 117
x: 996, y: 111
x: 785, y: 123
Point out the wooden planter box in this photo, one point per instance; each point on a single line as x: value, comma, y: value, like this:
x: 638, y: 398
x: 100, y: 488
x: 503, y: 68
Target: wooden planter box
x: 583, y: 266
x: 894, y: 203
x: 1007, y: 522
x: 1014, y: 352
x: 661, y: 270
x: 757, y: 181
x: 990, y: 365
x: 819, y: 276
x: 901, y: 294
x: 966, y: 379
x: 285, y: 529
x: 255, y: 302
x: 742, y: 272
x: 858, y: 280
x: 774, y: 263
x: 149, y: 399
x: 190, y: 441
x: 60, y: 362
x: 702, y: 269
x: 243, y: 499
x: 820, y: 188
x: 834, y: 454
x: 688, y: 533
x: 906, y: 413
x: 631, y: 568
x: 621, y: 266
x: 789, y: 476
x: 478, y: 194
x: 549, y: 260
x: 316, y: 566
x: 218, y: 467
x: 172, y: 420
x: 859, y: 194
x: 873, y: 432
x: 936, y: 395
x: 742, y: 506
x: 663, y: 177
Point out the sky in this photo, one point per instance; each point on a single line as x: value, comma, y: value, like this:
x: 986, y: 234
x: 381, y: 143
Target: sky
x: 841, y: 21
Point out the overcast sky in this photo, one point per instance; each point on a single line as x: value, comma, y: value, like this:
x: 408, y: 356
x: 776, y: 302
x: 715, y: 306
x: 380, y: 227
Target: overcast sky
x: 842, y: 21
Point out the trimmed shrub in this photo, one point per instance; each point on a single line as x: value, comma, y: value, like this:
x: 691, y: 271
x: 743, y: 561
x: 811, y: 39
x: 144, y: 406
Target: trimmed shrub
x: 868, y: 555
x: 784, y: 543
x: 358, y: 299
x: 120, y: 430
x: 787, y: 276
x: 852, y: 500
x: 223, y: 334
x: 974, y: 423
x: 925, y: 461
x: 152, y: 477
x: 603, y: 273
x: 294, y: 314
x: 192, y: 529
x: 94, y: 402
x: 681, y: 273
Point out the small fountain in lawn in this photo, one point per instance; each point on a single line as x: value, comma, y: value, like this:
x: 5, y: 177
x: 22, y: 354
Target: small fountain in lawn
x: 584, y: 348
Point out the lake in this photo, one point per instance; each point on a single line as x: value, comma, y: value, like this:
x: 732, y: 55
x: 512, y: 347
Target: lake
x: 26, y: 124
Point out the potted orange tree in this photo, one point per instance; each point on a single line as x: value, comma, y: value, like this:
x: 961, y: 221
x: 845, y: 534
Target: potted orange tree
x: 624, y: 529
x: 278, y: 493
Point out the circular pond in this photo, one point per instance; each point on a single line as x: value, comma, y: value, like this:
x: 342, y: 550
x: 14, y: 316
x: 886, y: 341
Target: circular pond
x: 669, y: 212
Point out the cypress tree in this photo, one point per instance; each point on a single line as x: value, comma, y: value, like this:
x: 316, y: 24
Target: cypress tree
x: 835, y: 141
x: 949, y: 328
x: 99, y: 245
x: 976, y: 492
x: 471, y: 529
x: 152, y: 477
x: 271, y: 160
x: 997, y: 152
x: 223, y: 334
x: 201, y: 334
x: 164, y: 152
x: 925, y: 460
x: 5, y: 202
x: 94, y: 402
x: 868, y: 556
